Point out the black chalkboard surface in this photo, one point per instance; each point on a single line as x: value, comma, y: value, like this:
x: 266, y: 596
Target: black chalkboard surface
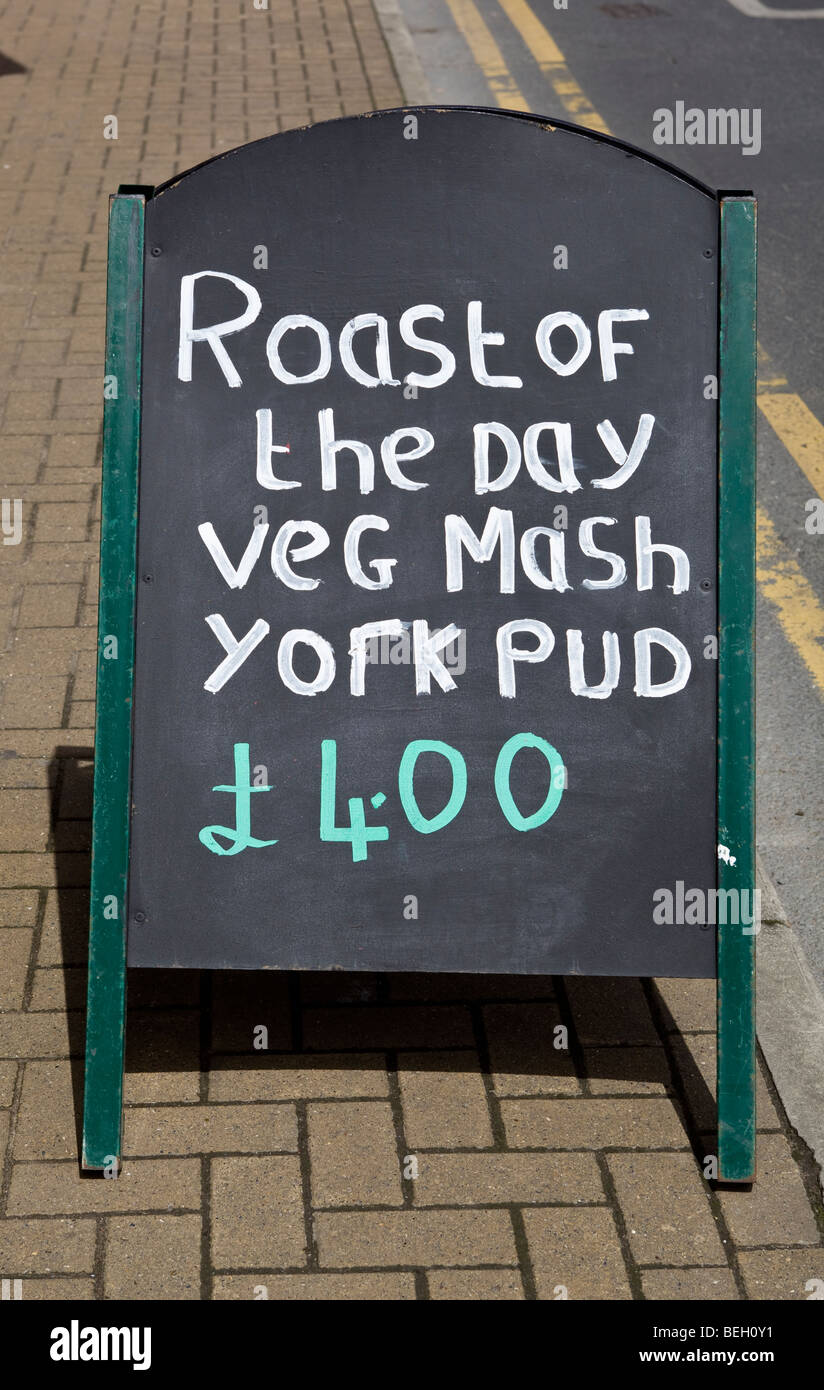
x: 427, y: 555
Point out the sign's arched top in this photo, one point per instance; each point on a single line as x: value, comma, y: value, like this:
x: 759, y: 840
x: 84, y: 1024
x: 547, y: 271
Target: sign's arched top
x: 482, y: 119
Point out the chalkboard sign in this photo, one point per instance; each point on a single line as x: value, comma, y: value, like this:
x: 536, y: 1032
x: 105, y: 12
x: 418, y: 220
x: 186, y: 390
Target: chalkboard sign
x: 426, y: 594
x: 426, y: 555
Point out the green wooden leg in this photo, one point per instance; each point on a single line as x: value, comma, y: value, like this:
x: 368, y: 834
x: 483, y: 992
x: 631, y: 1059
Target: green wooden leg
x: 106, y: 1009
x: 736, y: 691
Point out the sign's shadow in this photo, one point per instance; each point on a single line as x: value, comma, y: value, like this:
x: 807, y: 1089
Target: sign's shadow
x: 443, y: 1043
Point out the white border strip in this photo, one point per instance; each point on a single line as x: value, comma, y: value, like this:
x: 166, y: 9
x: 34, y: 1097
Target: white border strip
x: 754, y: 9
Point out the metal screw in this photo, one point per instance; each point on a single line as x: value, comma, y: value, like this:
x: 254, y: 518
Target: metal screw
x: 157, y: 250
x: 140, y: 917
x: 148, y: 578
x: 706, y: 584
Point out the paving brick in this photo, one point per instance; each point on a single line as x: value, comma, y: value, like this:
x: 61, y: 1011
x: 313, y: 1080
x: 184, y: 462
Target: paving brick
x: 606, y: 1010
x: 188, y: 1129
x: 163, y: 989
x: 666, y: 1209
x: 592, y: 1124
x: 148, y: 1184
x: 162, y: 1057
x: 357, y: 1287
x: 18, y: 907
x: 77, y: 787
x: 85, y: 681
x: 47, y: 1120
x: 49, y: 605
x: 39, y: 570
x: 23, y: 405
x: 36, y: 1035
x: 15, y: 949
x: 776, y: 1211
x: 39, y: 744
x: 8, y: 1076
x: 404, y: 1026
x: 72, y: 836
x: 37, y: 1246
x: 242, y: 1000
x: 459, y: 988
x: 24, y: 814
x: 43, y: 870
x: 61, y: 1290
x: 152, y: 1257
x: 526, y: 1178
x: 353, y: 1154
x: 337, y: 987
x: 300, y: 1076
x: 81, y: 714
x: 22, y: 454
x: 475, y: 1285
x: 69, y: 450
x: 65, y: 934
x: 42, y: 660
x: 577, y: 1248
x: 58, y: 989
x: 695, y: 1285
x: 522, y: 1051
x: 43, y: 354
x: 690, y: 1005
x: 28, y: 704
x: 62, y: 521
x: 783, y: 1274
x: 444, y: 1101
x: 415, y: 1238
x: 628, y: 1071
x: 257, y: 1213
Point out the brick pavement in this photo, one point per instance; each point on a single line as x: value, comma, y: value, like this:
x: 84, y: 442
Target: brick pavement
x: 403, y: 1137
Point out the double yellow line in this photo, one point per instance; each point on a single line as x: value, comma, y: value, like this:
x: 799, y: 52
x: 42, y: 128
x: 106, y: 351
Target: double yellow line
x: 780, y: 578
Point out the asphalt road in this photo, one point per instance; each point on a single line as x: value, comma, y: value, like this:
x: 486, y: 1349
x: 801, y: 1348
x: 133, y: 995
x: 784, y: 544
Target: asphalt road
x: 630, y: 60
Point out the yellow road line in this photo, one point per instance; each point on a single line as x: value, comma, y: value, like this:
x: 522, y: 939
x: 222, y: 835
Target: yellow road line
x: 797, y: 607
x: 487, y: 55
x: 767, y: 375
x: 801, y: 433
x: 552, y: 63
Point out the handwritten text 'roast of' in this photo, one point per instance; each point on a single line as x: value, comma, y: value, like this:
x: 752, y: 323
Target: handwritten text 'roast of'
x: 411, y: 443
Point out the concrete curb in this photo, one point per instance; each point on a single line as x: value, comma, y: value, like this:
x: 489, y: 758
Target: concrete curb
x: 790, y: 1013
x: 413, y: 81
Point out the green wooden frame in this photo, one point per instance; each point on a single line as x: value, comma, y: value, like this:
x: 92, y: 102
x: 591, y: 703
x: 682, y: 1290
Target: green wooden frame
x: 115, y: 673
x: 736, y: 685
x: 106, y: 1006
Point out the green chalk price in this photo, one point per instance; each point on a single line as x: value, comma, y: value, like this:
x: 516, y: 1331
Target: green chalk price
x: 358, y: 833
